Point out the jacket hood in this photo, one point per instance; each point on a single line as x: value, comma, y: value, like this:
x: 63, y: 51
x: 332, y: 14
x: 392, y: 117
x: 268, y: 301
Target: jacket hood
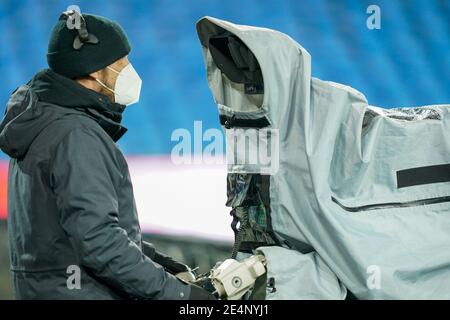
x: 46, y: 98
x: 285, y: 68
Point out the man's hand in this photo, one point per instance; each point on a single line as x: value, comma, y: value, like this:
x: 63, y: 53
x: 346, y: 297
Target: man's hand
x: 198, y: 293
x: 187, y: 276
x: 171, y: 265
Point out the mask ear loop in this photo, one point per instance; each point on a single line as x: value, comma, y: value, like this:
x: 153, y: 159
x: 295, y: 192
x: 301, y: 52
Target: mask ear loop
x: 115, y: 71
x: 105, y: 86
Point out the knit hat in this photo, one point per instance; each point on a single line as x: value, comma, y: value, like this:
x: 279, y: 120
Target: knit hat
x: 65, y: 60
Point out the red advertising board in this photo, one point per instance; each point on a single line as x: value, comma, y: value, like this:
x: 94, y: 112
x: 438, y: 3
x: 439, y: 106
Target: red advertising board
x: 3, y: 188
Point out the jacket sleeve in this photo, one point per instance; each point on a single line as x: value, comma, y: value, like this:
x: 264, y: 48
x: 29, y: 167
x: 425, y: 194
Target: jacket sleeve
x: 82, y: 172
x: 169, y: 263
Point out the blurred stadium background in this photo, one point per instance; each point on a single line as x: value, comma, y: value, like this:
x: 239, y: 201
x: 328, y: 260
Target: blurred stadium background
x: 405, y: 63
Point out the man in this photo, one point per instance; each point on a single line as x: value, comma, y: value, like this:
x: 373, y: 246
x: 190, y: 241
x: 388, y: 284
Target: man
x: 73, y: 226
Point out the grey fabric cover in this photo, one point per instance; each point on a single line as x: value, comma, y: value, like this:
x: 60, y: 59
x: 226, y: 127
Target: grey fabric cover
x: 339, y: 153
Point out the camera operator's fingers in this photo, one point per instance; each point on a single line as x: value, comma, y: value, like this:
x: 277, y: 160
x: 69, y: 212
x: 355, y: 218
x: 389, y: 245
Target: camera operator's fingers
x: 187, y: 276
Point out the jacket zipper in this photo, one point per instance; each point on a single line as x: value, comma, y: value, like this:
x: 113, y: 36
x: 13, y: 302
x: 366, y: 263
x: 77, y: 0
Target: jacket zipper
x: 390, y: 205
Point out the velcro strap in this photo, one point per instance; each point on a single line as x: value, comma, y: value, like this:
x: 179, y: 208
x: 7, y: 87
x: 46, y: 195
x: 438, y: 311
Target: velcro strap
x: 232, y: 122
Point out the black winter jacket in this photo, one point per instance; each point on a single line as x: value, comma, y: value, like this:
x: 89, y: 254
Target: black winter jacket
x: 70, y: 199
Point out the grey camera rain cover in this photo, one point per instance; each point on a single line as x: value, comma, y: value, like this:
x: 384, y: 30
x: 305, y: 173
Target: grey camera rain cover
x: 367, y: 189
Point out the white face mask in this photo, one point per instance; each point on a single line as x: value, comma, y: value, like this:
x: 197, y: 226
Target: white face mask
x: 128, y: 85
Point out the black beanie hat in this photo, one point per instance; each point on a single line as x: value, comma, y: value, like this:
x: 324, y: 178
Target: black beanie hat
x: 63, y: 59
